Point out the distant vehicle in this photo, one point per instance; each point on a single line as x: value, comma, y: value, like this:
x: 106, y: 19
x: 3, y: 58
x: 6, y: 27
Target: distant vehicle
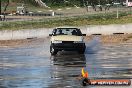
x: 21, y: 10
x: 67, y: 39
x: 127, y: 3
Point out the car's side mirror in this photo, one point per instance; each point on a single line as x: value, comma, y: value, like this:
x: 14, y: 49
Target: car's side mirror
x: 50, y: 34
x: 83, y: 34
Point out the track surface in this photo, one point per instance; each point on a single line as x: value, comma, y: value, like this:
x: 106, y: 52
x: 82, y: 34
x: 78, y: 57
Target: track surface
x: 32, y: 66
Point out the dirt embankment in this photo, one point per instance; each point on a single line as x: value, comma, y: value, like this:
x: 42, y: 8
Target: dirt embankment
x: 112, y: 39
x: 22, y: 42
x: 104, y: 39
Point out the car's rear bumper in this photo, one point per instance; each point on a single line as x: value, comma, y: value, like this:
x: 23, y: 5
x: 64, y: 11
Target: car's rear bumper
x: 69, y: 46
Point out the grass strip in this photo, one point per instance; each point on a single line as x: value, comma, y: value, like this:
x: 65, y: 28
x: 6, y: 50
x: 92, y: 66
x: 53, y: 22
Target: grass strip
x: 94, y: 19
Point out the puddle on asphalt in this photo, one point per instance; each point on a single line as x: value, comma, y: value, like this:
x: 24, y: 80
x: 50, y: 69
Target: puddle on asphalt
x: 33, y: 67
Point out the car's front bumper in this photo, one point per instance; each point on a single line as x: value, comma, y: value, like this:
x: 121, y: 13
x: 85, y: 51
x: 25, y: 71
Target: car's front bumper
x: 68, y: 46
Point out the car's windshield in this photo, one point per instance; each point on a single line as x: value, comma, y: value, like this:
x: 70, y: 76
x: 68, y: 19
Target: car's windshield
x: 67, y: 31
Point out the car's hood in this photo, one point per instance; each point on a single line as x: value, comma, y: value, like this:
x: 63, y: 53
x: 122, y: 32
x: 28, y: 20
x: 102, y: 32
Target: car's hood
x: 67, y: 38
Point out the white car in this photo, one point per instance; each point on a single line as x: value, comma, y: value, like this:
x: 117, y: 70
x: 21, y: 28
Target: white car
x: 67, y: 39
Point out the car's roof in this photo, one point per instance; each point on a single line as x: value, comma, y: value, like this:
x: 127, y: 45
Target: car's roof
x: 66, y: 28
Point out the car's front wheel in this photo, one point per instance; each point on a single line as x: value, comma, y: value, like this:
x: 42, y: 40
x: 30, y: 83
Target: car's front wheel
x: 81, y: 51
x: 53, y: 51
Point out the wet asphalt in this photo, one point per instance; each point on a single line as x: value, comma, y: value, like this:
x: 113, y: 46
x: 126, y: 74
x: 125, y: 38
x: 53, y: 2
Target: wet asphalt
x: 33, y: 66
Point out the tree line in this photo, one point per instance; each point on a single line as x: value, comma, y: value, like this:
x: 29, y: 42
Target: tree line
x: 63, y: 3
x: 80, y: 2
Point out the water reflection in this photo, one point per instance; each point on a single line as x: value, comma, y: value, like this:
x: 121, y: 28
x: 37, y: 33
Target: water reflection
x: 69, y: 60
x: 66, y: 69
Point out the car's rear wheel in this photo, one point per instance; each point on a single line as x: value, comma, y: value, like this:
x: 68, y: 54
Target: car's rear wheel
x: 53, y: 51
